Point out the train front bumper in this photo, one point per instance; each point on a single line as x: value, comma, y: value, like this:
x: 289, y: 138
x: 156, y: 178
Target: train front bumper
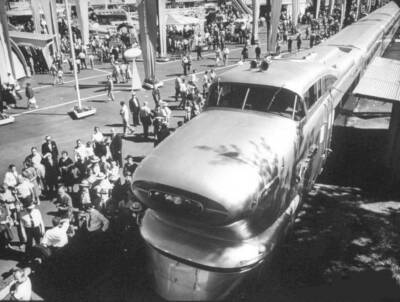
x: 177, y: 281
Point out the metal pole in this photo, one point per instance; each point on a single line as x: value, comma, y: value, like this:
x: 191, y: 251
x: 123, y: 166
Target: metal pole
x: 256, y: 16
x: 317, y: 9
x: 78, y: 94
x: 358, y: 9
x: 343, y: 13
x: 133, y: 71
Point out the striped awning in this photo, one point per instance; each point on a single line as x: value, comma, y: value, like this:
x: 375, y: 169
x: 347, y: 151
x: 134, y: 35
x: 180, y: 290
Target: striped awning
x: 380, y: 81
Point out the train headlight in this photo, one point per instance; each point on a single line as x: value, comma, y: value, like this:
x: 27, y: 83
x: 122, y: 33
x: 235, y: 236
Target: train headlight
x: 177, y: 200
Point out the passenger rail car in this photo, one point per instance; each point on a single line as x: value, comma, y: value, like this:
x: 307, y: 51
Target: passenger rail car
x: 223, y: 189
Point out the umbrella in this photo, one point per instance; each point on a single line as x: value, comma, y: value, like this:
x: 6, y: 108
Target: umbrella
x: 124, y: 25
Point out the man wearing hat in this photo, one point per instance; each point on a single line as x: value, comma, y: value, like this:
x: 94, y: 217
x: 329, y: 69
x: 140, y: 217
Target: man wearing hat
x: 134, y: 107
x: 33, y: 224
x: 130, y: 166
x: 84, y: 194
x: 64, y: 203
x: 95, y: 221
x: 24, y: 190
x: 145, y: 118
x: 124, y: 112
x: 110, y: 88
x: 116, y: 147
x: 50, y: 146
x: 156, y: 96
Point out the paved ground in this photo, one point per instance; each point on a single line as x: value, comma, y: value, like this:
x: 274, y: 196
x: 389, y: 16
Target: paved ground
x: 52, y: 118
x: 344, y: 246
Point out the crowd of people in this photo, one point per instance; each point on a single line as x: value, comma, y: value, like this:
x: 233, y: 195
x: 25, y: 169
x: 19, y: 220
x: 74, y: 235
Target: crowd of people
x: 10, y: 90
x: 224, y: 26
x: 315, y: 29
x: 189, y: 92
x: 90, y: 188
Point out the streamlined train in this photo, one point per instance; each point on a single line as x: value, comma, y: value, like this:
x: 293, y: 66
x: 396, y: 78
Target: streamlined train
x: 224, y: 188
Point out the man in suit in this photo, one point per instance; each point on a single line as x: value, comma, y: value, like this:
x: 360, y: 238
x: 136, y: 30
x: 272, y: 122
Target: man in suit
x: 156, y: 96
x: 50, y: 146
x: 110, y: 88
x: 134, y: 107
x: 116, y: 147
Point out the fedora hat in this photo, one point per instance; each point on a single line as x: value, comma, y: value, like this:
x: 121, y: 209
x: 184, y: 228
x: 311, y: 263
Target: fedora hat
x: 31, y: 206
x: 84, y: 184
x: 101, y: 176
x: 103, y: 191
x: 136, y: 206
x: 94, y: 159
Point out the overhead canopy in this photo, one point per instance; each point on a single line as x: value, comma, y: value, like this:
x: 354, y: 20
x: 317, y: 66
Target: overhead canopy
x: 20, y: 12
x: 31, y: 39
x: 381, y: 80
x: 174, y: 19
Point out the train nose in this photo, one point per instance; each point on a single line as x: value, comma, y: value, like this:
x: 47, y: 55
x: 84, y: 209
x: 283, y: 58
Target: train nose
x: 177, y: 281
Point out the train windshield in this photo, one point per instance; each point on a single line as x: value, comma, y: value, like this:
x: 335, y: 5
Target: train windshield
x: 277, y: 100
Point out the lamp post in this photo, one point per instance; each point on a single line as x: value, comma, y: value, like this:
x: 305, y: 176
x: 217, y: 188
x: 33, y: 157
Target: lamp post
x: 78, y: 94
x: 80, y: 112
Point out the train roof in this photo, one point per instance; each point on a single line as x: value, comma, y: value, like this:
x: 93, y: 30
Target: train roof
x: 359, y: 34
x: 294, y: 75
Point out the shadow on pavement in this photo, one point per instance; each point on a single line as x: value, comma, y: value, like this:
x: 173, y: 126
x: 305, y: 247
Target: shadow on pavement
x: 98, y: 101
x: 75, y: 269
x: 345, y: 243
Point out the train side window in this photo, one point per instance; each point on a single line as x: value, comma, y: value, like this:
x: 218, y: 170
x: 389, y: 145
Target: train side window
x: 311, y: 96
x: 323, y: 86
x: 299, y: 111
x: 319, y: 88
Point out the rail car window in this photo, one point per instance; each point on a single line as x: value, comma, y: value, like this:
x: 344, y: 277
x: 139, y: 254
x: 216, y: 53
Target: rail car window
x: 258, y: 98
x: 319, y: 88
x: 311, y: 96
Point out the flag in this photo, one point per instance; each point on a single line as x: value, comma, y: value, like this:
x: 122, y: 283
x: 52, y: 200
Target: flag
x: 343, y: 13
x: 35, y: 6
x: 256, y: 16
x: 162, y: 27
x: 83, y: 19
x: 147, y: 10
x: 295, y: 12
x: 318, y: 6
x: 276, y: 7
